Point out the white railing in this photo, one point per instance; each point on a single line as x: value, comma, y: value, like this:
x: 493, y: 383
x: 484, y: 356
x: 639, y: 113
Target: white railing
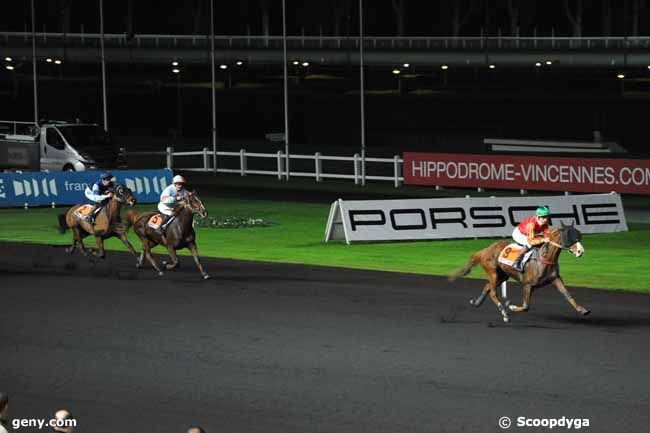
x: 280, y: 158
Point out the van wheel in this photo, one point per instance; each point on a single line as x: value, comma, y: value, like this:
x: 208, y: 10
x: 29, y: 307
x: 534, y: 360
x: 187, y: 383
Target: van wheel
x: 68, y: 167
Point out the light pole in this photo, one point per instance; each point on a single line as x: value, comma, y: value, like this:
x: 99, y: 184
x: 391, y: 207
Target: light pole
x: 286, y: 94
x: 361, y: 83
x: 214, y: 103
x: 35, y: 80
x: 101, y: 41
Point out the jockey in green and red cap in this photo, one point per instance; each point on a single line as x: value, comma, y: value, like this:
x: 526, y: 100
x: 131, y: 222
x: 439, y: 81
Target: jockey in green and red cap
x: 531, y: 232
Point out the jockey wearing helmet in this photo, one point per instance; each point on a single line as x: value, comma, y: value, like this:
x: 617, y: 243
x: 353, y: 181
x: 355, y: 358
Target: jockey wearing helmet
x: 99, y: 194
x: 531, y: 232
x: 169, y: 199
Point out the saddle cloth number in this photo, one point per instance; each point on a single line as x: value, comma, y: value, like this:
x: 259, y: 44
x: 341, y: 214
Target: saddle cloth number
x: 510, y: 253
x: 84, y: 210
x: 155, y: 221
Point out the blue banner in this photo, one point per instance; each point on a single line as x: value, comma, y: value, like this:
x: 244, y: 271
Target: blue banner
x: 67, y: 187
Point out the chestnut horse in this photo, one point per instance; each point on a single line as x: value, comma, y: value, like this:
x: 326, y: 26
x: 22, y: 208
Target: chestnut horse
x: 540, y: 270
x: 178, y: 234
x: 106, y: 223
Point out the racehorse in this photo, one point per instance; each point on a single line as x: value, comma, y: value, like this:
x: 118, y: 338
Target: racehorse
x: 106, y: 223
x: 178, y: 234
x: 540, y: 270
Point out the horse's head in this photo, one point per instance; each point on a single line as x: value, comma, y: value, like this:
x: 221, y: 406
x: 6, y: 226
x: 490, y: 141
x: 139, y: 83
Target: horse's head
x: 194, y: 204
x: 570, y: 238
x: 124, y: 194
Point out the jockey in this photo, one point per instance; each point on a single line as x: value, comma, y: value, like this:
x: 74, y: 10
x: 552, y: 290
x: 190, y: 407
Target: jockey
x: 169, y: 198
x: 99, y: 194
x: 531, y: 232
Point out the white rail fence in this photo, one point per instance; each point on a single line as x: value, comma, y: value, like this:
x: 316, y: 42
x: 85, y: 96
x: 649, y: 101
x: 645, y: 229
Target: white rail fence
x: 280, y: 164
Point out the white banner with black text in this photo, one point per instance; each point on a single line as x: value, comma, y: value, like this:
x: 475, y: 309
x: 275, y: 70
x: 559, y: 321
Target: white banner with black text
x: 455, y: 218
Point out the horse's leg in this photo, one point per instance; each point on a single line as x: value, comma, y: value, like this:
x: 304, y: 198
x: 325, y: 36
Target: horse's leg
x: 100, y: 247
x: 80, y: 240
x: 497, y: 302
x: 525, y: 303
x: 480, y: 298
x: 138, y: 264
x: 126, y: 242
x: 195, y: 255
x: 559, y: 285
x: 147, y: 251
x: 172, y: 254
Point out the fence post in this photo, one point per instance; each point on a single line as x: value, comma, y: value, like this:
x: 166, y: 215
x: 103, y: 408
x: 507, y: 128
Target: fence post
x: 170, y: 158
x: 397, y: 169
x: 280, y: 165
x: 319, y: 166
x: 206, y: 163
x: 242, y: 162
x: 356, y: 168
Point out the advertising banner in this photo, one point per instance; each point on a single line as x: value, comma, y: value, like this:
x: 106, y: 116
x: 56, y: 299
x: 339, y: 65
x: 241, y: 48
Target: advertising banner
x: 67, y: 187
x: 448, y: 218
x: 588, y: 175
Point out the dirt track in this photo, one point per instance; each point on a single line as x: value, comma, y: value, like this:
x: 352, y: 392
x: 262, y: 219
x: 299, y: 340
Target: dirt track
x: 284, y: 348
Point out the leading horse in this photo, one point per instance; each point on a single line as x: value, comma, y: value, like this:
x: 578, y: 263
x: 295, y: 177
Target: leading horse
x: 179, y: 233
x: 540, y: 270
x: 106, y: 223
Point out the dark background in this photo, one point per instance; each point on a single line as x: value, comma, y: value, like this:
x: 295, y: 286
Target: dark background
x: 425, y: 110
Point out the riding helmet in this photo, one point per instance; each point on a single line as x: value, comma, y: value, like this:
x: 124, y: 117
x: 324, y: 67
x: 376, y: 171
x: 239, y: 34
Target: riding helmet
x: 542, y: 211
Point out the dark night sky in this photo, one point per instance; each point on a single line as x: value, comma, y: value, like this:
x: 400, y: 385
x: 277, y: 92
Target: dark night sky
x: 422, y: 18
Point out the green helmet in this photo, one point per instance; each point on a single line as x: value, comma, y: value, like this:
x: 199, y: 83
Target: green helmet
x: 542, y: 211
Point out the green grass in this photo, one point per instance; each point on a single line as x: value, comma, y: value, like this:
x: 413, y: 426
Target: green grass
x: 614, y: 261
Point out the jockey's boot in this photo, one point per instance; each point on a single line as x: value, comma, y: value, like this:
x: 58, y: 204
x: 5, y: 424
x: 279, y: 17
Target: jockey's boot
x: 163, y: 225
x: 91, y: 216
x: 517, y: 265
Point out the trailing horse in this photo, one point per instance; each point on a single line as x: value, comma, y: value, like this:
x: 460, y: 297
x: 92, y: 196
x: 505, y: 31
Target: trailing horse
x: 540, y: 270
x: 106, y: 223
x: 178, y: 234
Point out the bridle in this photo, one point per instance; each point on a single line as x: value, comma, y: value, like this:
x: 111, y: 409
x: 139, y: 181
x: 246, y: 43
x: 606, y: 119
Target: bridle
x: 544, y: 260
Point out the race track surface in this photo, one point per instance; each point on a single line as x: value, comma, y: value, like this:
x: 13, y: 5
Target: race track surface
x: 283, y: 348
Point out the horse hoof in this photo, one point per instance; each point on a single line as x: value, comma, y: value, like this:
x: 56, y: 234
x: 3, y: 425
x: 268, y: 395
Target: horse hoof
x: 161, y: 273
x: 506, y: 319
x: 585, y: 312
x: 206, y: 276
x: 164, y: 262
x: 512, y: 307
x: 138, y: 265
x: 472, y: 302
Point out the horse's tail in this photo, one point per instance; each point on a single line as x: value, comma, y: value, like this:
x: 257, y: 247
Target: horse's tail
x: 473, y: 261
x: 63, y: 224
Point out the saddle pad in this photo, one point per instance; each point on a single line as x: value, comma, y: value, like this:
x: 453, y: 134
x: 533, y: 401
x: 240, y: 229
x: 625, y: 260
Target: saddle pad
x: 83, y: 210
x: 509, y: 254
x: 155, y: 221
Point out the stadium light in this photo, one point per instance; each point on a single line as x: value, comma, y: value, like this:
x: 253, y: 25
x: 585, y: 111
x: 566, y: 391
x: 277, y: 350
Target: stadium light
x: 174, y: 63
x: 538, y: 64
x: 305, y: 64
x: 57, y: 61
x: 224, y: 67
x: 8, y: 59
x: 9, y: 67
x: 492, y: 66
x: 406, y: 65
x: 48, y: 60
x: 176, y: 71
x: 239, y: 63
x: 548, y: 62
x: 620, y: 76
x: 648, y: 66
x: 296, y: 63
x: 396, y: 71
x: 445, y: 67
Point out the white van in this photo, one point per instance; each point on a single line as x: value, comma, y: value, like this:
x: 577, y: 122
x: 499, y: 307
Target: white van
x: 61, y: 146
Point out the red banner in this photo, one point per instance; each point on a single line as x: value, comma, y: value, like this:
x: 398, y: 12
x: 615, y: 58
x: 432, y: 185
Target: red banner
x: 528, y: 172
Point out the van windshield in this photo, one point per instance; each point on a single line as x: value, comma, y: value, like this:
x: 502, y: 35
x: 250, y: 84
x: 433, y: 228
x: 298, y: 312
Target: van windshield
x: 86, y: 136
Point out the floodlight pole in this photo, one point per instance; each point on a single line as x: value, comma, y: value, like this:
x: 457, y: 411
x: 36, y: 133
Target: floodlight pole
x: 35, y: 80
x: 101, y: 41
x: 214, y: 104
x: 361, y: 92
x: 286, y: 93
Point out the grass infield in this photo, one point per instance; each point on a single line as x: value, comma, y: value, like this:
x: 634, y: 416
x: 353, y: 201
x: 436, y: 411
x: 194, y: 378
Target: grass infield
x: 612, y: 261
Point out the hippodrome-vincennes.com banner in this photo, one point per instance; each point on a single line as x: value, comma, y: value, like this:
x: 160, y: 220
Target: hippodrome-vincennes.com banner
x: 589, y: 175
x: 449, y: 218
